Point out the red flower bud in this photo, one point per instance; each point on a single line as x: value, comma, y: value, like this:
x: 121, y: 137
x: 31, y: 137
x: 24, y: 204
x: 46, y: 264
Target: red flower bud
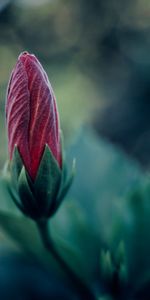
x: 31, y: 114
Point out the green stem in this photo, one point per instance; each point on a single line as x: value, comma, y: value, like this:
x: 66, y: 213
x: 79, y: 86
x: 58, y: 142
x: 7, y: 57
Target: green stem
x: 79, y: 285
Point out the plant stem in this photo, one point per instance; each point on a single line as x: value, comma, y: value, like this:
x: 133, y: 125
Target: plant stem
x: 79, y: 285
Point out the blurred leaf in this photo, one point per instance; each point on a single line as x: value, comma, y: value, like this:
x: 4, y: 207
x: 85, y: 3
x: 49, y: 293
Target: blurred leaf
x: 24, y: 232
x: 76, y: 232
x: 120, y: 253
x: 106, y: 265
x: 104, y: 176
x: 87, y: 220
x: 132, y: 226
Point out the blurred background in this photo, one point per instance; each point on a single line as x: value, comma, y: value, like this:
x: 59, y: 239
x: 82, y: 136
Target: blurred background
x: 96, y: 54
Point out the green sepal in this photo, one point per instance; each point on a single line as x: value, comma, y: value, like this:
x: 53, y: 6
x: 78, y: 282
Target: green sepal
x: 47, y: 182
x: 67, y: 181
x: 65, y: 185
x: 41, y: 197
x: 28, y: 201
x: 9, y: 185
x: 16, y: 165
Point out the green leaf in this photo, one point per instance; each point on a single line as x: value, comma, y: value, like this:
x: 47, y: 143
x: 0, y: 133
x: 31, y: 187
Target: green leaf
x: 120, y: 253
x: 103, y: 178
x: 123, y: 274
x: 70, y: 254
x: 96, y: 199
x: 70, y: 224
x: 23, y: 231
x: 106, y: 265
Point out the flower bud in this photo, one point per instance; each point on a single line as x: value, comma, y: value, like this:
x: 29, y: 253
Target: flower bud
x: 31, y: 114
x: 37, y: 174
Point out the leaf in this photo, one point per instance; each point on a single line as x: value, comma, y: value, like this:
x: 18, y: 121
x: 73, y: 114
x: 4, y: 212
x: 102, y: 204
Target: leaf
x: 25, y: 234
x: 132, y: 227
x: 120, y: 253
x: 76, y: 232
x: 106, y: 264
x: 90, y: 216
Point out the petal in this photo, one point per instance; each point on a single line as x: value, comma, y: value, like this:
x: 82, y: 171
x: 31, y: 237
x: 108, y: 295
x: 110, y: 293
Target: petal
x: 18, y: 113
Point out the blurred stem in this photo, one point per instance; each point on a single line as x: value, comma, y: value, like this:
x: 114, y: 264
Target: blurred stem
x: 76, y: 281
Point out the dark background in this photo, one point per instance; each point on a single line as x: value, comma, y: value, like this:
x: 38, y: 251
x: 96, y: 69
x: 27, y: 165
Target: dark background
x: 96, y: 54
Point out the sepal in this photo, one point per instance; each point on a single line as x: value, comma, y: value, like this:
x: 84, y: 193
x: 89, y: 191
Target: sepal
x: 66, y: 183
x: 8, y: 183
x: 38, y: 199
x: 48, y: 181
x: 15, y: 165
x: 26, y: 196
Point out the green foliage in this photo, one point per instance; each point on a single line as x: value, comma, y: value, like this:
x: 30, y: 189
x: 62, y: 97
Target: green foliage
x: 23, y: 231
x: 102, y: 228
